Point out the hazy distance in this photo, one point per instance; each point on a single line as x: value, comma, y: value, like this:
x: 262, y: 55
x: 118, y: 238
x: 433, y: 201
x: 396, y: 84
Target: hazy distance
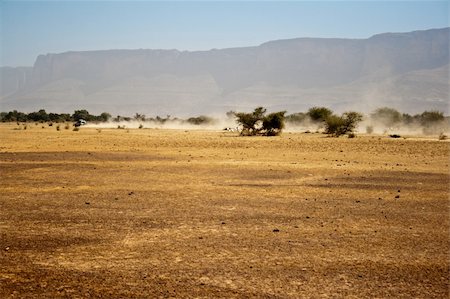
x: 407, y: 71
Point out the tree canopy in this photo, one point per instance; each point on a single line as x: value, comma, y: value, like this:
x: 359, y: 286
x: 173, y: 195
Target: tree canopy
x: 340, y: 125
x: 258, y: 123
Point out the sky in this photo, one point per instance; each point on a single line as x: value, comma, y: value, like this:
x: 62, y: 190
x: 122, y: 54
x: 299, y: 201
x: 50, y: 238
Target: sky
x: 31, y: 28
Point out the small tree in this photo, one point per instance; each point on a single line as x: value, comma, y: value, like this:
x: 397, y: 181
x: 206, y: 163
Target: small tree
x: 340, y: 125
x: 273, y: 123
x: 200, y: 120
x: 387, y: 116
x: 319, y: 114
x: 251, y: 122
x: 431, y: 117
x: 41, y: 115
x: 257, y: 123
x: 104, y: 117
x: 432, y: 122
x: 81, y: 114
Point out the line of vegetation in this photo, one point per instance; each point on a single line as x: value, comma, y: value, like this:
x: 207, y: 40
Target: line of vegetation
x: 259, y: 122
x: 42, y: 116
x: 385, y: 118
x: 431, y: 122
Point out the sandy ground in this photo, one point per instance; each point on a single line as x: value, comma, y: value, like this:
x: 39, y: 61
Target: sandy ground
x: 194, y: 214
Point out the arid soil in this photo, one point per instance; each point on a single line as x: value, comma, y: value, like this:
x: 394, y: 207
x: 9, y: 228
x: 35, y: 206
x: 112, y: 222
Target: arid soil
x: 149, y: 213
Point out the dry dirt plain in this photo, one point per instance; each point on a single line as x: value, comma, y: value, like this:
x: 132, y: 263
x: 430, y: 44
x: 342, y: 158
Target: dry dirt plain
x: 193, y: 214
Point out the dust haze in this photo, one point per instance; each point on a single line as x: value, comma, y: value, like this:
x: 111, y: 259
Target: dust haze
x: 349, y: 74
x: 366, y: 126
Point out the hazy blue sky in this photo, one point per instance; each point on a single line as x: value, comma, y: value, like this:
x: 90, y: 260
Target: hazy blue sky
x: 30, y: 28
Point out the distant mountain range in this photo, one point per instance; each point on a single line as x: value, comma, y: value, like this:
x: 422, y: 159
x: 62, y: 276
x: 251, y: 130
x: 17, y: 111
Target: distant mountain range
x: 406, y: 71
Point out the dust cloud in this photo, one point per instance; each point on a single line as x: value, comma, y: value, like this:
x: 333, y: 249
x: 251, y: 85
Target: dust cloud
x: 367, y: 126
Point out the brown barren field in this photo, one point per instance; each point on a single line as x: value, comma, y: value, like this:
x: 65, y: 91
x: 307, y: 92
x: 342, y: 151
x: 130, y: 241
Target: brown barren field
x: 201, y: 214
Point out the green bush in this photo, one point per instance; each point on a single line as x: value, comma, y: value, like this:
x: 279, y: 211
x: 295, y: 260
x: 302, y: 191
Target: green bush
x: 257, y: 123
x: 251, y: 122
x: 273, y: 123
x: 340, y: 125
x: 319, y: 114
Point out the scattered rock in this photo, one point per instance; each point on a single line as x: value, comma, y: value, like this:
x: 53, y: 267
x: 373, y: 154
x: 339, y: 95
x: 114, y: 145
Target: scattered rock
x: 398, y: 196
x: 276, y: 230
x: 131, y: 193
x: 223, y: 223
x: 87, y: 202
x: 7, y: 248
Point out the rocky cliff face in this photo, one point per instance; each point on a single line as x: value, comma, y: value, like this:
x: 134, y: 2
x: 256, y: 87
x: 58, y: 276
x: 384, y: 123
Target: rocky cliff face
x: 289, y: 74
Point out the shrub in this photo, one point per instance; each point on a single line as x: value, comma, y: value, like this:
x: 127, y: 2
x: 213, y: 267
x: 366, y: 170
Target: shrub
x: 58, y: 128
x: 251, y: 122
x: 200, y: 120
x: 81, y: 114
x: 141, y: 126
x: 431, y: 117
x: 273, y: 123
x: 257, y: 123
x: 340, y: 125
x: 76, y: 129
x: 319, y: 114
x: 104, y: 117
x: 388, y: 117
x: 67, y: 127
x: 333, y: 125
x: 432, y: 122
